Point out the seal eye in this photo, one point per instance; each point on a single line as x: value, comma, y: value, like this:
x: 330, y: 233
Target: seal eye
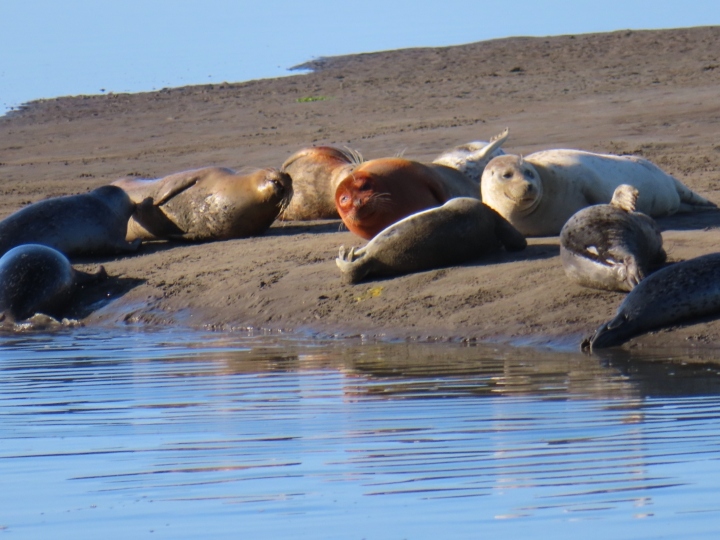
x: 529, y: 174
x: 365, y: 186
x: 344, y: 199
x: 507, y: 175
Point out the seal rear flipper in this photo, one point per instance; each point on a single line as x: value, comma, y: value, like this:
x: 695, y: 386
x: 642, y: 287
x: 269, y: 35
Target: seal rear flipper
x: 625, y: 197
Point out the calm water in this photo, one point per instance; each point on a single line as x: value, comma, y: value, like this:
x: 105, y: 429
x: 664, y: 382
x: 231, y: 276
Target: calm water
x: 194, y: 435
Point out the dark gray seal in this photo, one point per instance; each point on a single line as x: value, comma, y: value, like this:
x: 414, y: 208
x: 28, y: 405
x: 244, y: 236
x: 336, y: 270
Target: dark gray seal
x: 461, y: 230
x: 682, y: 291
x: 610, y: 246
x: 90, y: 223
x: 38, y: 279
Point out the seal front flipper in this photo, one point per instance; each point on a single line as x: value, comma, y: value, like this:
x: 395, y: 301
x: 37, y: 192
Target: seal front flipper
x: 177, y: 183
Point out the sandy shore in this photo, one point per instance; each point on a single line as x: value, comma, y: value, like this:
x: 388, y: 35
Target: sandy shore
x: 650, y: 93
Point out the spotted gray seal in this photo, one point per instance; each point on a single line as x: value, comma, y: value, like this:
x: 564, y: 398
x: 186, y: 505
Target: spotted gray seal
x: 539, y: 193
x: 679, y: 292
x: 460, y: 230
x: 207, y: 204
x: 472, y: 158
x: 38, y: 279
x: 610, y: 246
x: 89, y: 223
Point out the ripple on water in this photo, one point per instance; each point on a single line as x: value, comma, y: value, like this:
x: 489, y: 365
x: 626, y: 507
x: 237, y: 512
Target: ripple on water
x: 193, y: 435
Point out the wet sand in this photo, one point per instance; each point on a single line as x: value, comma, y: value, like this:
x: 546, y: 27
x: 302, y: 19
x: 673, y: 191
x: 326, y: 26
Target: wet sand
x: 649, y: 93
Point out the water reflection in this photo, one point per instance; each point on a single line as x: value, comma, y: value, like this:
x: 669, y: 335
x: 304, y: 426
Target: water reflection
x: 199, y: 435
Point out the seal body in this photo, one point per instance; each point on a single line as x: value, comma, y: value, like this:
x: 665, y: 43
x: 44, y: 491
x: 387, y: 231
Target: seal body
x: 472, y: 158
x: 682, y: 291
x: 461, y: 230
x: 380, y: 192
x: 37, y: 279
x: 610, y: 246
x: 539, y: 193
x: 90, y: 223
x: 316, y: 173
x: 206, y: 204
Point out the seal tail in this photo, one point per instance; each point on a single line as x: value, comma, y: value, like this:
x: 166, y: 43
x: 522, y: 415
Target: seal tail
x: 691, y: 201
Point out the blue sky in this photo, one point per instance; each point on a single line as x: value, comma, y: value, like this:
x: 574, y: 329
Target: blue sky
x: 50, y: 48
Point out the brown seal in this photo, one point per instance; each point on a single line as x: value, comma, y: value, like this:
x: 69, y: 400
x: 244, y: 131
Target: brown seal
x: 611, y: 246
x: 206, y: 204
x: 461, y: 230
x: 316, y: 173
x: 90, y: 223
x: 38, y: 279
x: 539, y: 193
x: 380, y: 192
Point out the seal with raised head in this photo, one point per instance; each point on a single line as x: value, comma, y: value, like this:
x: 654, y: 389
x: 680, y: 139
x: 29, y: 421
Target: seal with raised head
x: 316, y: 173
x: 380, y: 192
x: 38, y: 279
x: 472, y: 158
x: 610, y: 246
x: 679, y: 292
x: 539, y: 193
x: 206, y: 204
x: 461, y: 230
x: 89, y: 223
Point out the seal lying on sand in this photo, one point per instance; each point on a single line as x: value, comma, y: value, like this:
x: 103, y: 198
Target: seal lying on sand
x: 472, y: 158
x: 38, y: 279
x: 610, y: 246
x: 684, y: 290
x: 380, y: 192
x: 461, y: 230
x: 316, y: 173
x: 206, y: 204
x: 539, y: 193
x: 93, y: 222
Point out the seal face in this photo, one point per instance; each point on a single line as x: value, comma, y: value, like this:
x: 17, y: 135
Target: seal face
x: 90, y: 223
x: 610, y: 246
x: 461, y: 230
x: 206, y: 204
x: 539, y: 193
x: 383, y: 191
x: 472, y: 158
x: 37, y: 279
x: 316, y: 173
x: 682, y: 291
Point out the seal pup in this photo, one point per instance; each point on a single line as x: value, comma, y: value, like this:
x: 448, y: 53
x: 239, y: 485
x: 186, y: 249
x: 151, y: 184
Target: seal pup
x: 380, y: 192
x: 539, y: 193
x: 682, y: 291
x: 316, y: 173
x: 610, y: 246
x: 460, y: 230
x: 38, y: 279
x: 89, y: 223
x: 472, y: 158
x: 206, y: 204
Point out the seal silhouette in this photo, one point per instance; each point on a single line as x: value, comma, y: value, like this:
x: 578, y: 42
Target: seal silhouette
x: 316, y: 173
x: 89, y: 223
x: 679, y: 292
x: 211, y: 203
x: 472, y: 158
x: 539, y: 193
x: 610, y: 246
x: 38, y: 279
x: 460, y: 230
x: 380, y: 192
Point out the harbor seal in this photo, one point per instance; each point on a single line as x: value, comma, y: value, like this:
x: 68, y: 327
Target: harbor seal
x: 539, y: 193
x: 38, y: 279
x: 460, y: 230
x: 679, y: 292
x: 89, y: 223
x: 472, y: 158
x: 610, y: 246
x: 206, y: 204
x: 380, y: 192
x: 316, y: 173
